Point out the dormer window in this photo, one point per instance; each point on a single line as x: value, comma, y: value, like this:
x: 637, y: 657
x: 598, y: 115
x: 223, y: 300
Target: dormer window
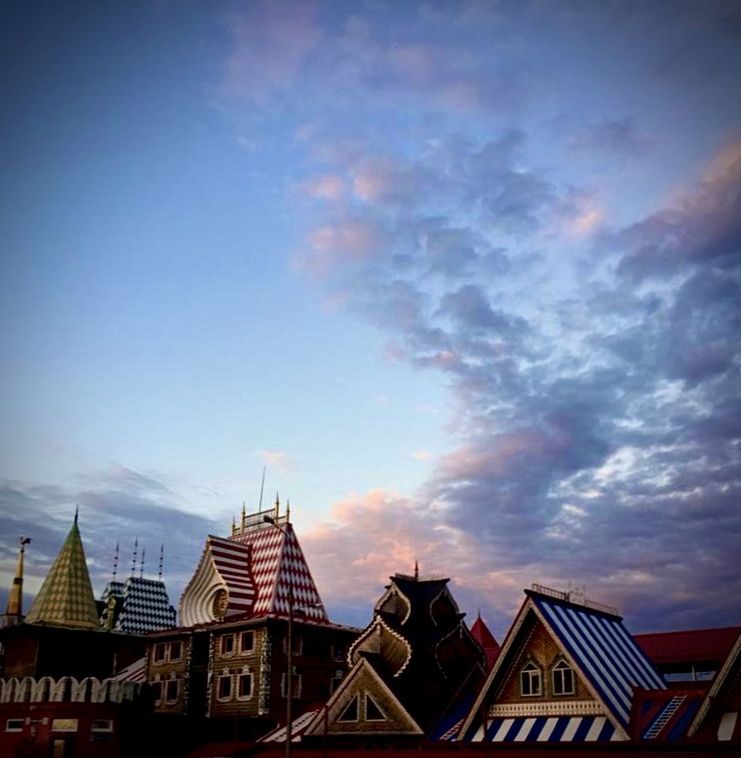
x: 563, y: 679
x: 531, y: 684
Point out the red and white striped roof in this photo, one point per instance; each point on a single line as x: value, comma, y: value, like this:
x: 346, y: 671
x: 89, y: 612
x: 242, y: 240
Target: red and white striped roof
x: 254, y: 572
x: 280, y: 569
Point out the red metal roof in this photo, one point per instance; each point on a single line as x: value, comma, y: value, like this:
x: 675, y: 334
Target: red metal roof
x: 689, y: 645
x: 480, y: 632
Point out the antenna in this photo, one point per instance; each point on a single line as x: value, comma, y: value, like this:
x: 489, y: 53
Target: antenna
x: 162, y: 560
x: 115, y: 563
x: 133, y: 559
x: 262, y: 489
x: 141, y: 565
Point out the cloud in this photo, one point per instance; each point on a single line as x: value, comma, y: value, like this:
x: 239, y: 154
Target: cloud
x: 116, y: 506
x: 620, y: 137
x: 276, y: 459
x: 597, y: 419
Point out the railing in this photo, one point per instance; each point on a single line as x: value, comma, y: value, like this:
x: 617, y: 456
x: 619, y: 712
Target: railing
x: 576, y: 597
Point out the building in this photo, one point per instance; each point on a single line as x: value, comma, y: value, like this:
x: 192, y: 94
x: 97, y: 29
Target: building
x: 224, y: 672
x: 413, y: 667
x: 69, y: 686
x: 566, y: 672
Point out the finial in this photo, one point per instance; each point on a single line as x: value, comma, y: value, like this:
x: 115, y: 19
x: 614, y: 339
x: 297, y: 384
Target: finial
x: 141, y: 564
x: 162, y: 560
x: 77, y: 513
x: 277, y: 505
x: 416, y: 570
x: 133, y: 559
x: 234, y: 523
x: 115, y: 562
x: 288, y: 511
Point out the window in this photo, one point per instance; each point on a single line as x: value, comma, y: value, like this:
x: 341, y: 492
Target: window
x: 227, y: 644
x: 373, y: 711
x: 337, y: 678
x: 157, y: 692
x: 530, y: 684
x: 176, y: 650
x: 339, y: 651
x: 159, y: 652
x: 296, y: 693
x: 247, y: 642
x: 224, y: 690
x: 298, y: 644
x: 351, y: 711
x: 14, y: 725
x: 101, y: 725
x: 172, y: 690
x: 244, y: 686
x: 563, y: 679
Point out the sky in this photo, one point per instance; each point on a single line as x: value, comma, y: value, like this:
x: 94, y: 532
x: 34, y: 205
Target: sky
x: 464, y: 277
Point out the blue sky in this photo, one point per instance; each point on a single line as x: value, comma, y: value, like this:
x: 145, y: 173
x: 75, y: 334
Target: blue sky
x: 464, y: 276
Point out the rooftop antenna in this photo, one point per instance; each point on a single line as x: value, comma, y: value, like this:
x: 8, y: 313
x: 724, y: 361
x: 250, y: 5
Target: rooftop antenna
x: 262, y: 489
x: 115, y: 563
x: 141, y: 565
x: 133, y: 559
x: 162, y: 561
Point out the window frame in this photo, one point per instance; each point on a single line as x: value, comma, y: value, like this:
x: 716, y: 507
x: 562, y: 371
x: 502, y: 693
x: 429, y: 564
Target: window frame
x: 247, y: 650
x: 170, y: 656
x: 225, y: 676
x: 159, y: 652
x: 168, y: 683
x: 297, y: 685
x: 562, y: 668
x: 243, y: 675
x: 96, y: 726
x: 532, y: 672
x: 20, y: 723
x: 222, y: 645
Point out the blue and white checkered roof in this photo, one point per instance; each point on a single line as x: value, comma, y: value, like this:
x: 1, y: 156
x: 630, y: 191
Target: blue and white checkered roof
x: 145, y: 606
x: 603, y: 651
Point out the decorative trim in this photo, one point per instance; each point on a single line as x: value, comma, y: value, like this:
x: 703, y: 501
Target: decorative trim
x: 550, y: 708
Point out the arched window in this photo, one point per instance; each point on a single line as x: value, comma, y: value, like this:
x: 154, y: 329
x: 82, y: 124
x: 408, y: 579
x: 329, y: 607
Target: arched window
x: 563, y: 679
x: 530, y: 680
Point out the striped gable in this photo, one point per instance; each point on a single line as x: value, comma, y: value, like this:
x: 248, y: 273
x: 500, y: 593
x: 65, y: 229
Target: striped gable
x: 551, y: 633
x: 222, y: 586
x: 603, y: 651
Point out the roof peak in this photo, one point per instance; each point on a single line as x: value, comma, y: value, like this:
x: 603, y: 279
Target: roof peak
x: 66, y: 595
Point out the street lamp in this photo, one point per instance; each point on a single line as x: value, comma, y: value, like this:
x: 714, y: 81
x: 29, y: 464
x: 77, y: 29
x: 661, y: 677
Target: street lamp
x: 289, y: 674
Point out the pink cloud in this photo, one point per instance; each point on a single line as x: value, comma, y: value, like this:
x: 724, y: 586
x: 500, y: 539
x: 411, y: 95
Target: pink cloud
x: 327, y: 187
x: 271, y: 41
x: 335, y: 245
x: 276, y: 459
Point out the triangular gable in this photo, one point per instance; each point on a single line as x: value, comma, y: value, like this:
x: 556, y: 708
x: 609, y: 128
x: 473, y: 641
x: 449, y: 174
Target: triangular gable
x: 480, y: 632
x: 601, y: 653
x: 363, y: 704
x: 713, y: 711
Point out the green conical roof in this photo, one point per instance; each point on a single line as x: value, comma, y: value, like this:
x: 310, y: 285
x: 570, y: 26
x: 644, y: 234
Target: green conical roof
x: 66, y: 596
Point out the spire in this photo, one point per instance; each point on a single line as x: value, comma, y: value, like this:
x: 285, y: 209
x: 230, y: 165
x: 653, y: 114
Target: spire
x: 416, y: 570
x: 141, y: 563
x: 14, y: 609
x: 133, y: 558
x: 288, y: 511
x: 162, y: 561
x: 66, y: 596
x: 115, y: 562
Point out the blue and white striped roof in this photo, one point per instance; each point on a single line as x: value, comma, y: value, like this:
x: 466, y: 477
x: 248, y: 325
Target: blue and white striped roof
x: 603, y: 651
x: 551, y: 729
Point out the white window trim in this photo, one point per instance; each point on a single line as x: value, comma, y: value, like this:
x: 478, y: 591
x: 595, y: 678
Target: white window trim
x: 245, y: 672
x: 166, y: 686
x: 170, y: 657
x: 163, y: 659
x: 100, y: 729
x: 562, y: 666
x: 340, y: 720
x: 225, y: 698
x: 18, y: 728
x: 221, y: 646
x: 531, y: 670
x: 384, y: 717
x: 249, y: 650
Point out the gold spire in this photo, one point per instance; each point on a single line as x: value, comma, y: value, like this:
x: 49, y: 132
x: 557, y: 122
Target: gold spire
x: 14, y: 609
x: 66, y: 596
